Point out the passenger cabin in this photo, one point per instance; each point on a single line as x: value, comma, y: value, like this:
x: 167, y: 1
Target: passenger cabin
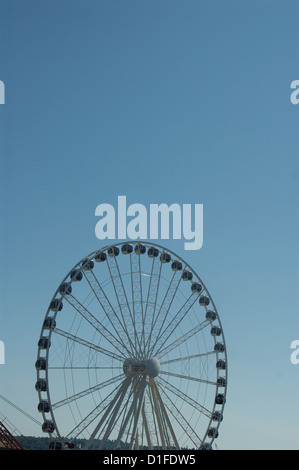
x: 217, y: 416
x: 100, y: 257
x: 204, y: 300
x: 210, y: 315
x: 87, y: 264
x: 153, y: 252
x: 220, y: 399
x: 41, y: 385
x: 40, y: 364
x: 48, y: 426
x: 165, y: 258
x: 43, y: 407
x: 196, y: 287
x: 76, y: 275
x: 113, y: 251
x: 221, y: 364
x: 140, y: 249
x: 205, y: 446
x: 49, y: 323
x: 212, y: 432
x: 127, y: 249
x: 219, y: 347
x: 56, y: 305
x: 176, y: 266
x: 221, y: 382
x: 65, y: 288
x: 44, y: 343
x: 215, y: 331
x: 187, y: 275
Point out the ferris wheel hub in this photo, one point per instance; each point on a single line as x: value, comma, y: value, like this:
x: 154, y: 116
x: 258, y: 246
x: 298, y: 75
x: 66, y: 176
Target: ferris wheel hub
x: 150, y: 367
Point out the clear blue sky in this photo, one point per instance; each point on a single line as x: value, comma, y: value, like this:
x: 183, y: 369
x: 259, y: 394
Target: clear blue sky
x: 161, y: 101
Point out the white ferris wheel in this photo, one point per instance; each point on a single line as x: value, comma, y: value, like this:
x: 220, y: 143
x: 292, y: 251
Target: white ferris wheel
x: 131, y: 354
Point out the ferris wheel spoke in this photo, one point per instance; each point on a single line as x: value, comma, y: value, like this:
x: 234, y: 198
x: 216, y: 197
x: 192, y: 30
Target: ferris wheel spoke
x: 86, y: 392
x: 95, y: 413
x: 154, y: 433
x: 164, y: 428
x: 83, y: 368
x: 181, y: 420
x: 134, y: 412
x: 137, y: 299
x: 158, y: 421
x: 165, y: 306
x: 164, y: 302
x: 125, y: 421
x: 160, y: 353
x: 89, y: 345
x: 155, y: 293
x: 104, y: 410
x: 112, y: 409
x: 186, y: 377
x: 146, y: 429
x: 186, y: 358
x: 183, y: 396
x: 174, y: 323
x: 151, y: 300
x: 95, y: 323
x: 122, y: 301
x: 110, y: 313
x: 140, y: 310
x: 148, y: 302
x: 122, y: 417
x: 126, y: 409
x: 165, y: 422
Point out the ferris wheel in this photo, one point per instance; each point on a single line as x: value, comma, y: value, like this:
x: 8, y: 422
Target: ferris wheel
x: 131, y: 354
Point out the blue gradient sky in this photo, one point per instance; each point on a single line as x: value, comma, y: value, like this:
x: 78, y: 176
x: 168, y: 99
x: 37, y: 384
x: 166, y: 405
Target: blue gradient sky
x: 161, y: 101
